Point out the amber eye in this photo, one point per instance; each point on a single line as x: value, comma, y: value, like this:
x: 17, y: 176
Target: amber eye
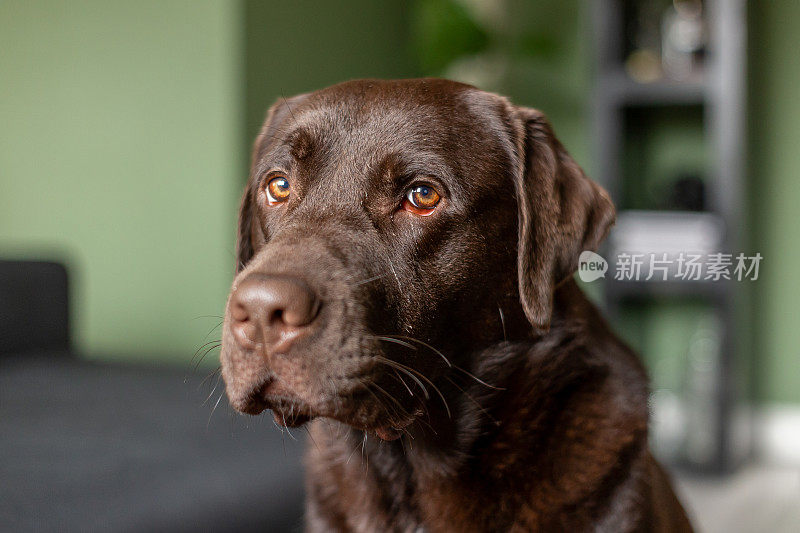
x: 421, y: 200
x: 277, y: 190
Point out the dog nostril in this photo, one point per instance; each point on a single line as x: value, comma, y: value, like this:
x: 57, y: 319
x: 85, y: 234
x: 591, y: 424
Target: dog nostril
x: 245, y: 333
x: 303, y: 310
x: 239, y: 312
x: 271, y: 310
x: 277, y: 316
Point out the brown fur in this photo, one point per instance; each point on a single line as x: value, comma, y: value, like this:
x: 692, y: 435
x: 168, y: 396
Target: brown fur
x: 518, y: 410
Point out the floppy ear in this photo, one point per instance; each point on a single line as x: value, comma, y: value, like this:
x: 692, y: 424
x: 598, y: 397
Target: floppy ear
x: 250, y: 232
x: 561, y: 213
x: 249, y: 228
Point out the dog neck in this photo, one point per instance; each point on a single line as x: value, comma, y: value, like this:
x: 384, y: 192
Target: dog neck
x: 531, y: 418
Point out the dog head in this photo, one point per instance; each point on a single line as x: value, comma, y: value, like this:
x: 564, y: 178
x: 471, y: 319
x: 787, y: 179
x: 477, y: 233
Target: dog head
x: 390, y: 230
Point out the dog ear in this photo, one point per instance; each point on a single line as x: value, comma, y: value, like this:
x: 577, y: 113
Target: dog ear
x: 249, y: 228
x: 561, y: 213
x: 245, y: 248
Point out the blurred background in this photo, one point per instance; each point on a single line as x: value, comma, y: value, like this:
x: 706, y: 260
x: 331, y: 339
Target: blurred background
x: 125, y: 130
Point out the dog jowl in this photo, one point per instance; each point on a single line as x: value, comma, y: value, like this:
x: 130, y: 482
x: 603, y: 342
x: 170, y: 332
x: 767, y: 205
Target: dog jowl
x: 405, y: 260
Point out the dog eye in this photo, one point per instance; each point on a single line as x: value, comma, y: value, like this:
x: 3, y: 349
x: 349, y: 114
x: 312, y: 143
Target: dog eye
x: 277, y: 190
x: 421, y: 200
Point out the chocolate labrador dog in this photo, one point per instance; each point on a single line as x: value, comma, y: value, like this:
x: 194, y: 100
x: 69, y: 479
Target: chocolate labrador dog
x: 405, y: 260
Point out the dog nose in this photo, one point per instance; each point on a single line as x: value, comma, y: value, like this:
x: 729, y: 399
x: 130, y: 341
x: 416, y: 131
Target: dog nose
x: 272, y: 311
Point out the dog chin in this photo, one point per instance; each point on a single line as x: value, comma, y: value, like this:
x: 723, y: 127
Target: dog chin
x: 291, y: 419
x: 286, y: 412
x: 382, y: 428
x: 289, y: 410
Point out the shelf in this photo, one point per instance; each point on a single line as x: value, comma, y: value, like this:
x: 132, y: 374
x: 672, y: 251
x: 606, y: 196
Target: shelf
x: 621, y: 105
x: 617, y: 88
x: 660, y: 231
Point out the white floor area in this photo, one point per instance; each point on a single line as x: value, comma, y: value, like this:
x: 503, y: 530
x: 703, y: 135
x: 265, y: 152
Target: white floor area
x: 757, y: 498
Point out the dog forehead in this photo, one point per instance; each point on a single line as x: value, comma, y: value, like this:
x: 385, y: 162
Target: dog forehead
x: 366, y: 122
x: 373, y: 115
x: 405, y: 93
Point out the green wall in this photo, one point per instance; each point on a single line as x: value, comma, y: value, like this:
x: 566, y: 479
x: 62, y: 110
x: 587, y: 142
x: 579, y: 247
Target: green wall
x: 774, y: 116
x: 304, y: 45
x: 119, y: 147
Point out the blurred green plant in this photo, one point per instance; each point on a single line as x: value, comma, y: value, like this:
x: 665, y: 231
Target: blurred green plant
x: 533, y: 52
x: 444, y: 31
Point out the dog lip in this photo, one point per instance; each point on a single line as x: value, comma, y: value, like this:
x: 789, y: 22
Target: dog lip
x: 395, y: 430
x: 287, y: 409
x: 261, y: 397
x: 292, y: 420
x: 251, y: 405
x: 388, y: 433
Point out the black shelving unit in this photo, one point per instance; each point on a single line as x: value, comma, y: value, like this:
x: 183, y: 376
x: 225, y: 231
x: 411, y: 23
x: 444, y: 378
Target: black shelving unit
x: 720, y: 93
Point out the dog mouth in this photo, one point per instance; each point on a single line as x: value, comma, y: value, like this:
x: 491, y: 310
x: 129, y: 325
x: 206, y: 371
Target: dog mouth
x: 290, y: 411
x: 291, y: 416
x: 287, y: 409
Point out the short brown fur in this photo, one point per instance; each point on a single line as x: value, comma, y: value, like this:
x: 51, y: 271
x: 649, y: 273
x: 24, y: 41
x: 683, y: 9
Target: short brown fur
x: 517, y: 408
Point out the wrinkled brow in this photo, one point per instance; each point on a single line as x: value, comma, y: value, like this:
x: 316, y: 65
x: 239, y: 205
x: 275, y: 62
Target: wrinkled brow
x: 300, y: 143
x: 279, y: 145
x: 398, y: 167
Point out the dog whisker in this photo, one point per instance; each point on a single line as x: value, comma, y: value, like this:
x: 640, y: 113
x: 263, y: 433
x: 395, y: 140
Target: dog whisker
x: 281, y: 429
x: 310, y: 436
x: 446, y: 360
x: 425, y: 344
x: 476, y: 378
x: 404, y: 414
x: 209, y: 350
x: 203, y: 346
x: 407, y: 370
x: 286, y: 103
x: 394, y: 272
x: 363, y: 446
x: 337, y: 401
x: 352, y: 453
x: 383, y: 405
x: 368, y: 280
x: 435, y: 388
x: 209, y: 376
x: 291, y: 412
x: 503, y: 323
x: 283, y: 435
x: 473, y: 400
x: 399, y: 377
x: 212, y: 329
x: 217, y: 343
x: 208, y: 424
x: 212, y: 392
x: 394, y: 340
